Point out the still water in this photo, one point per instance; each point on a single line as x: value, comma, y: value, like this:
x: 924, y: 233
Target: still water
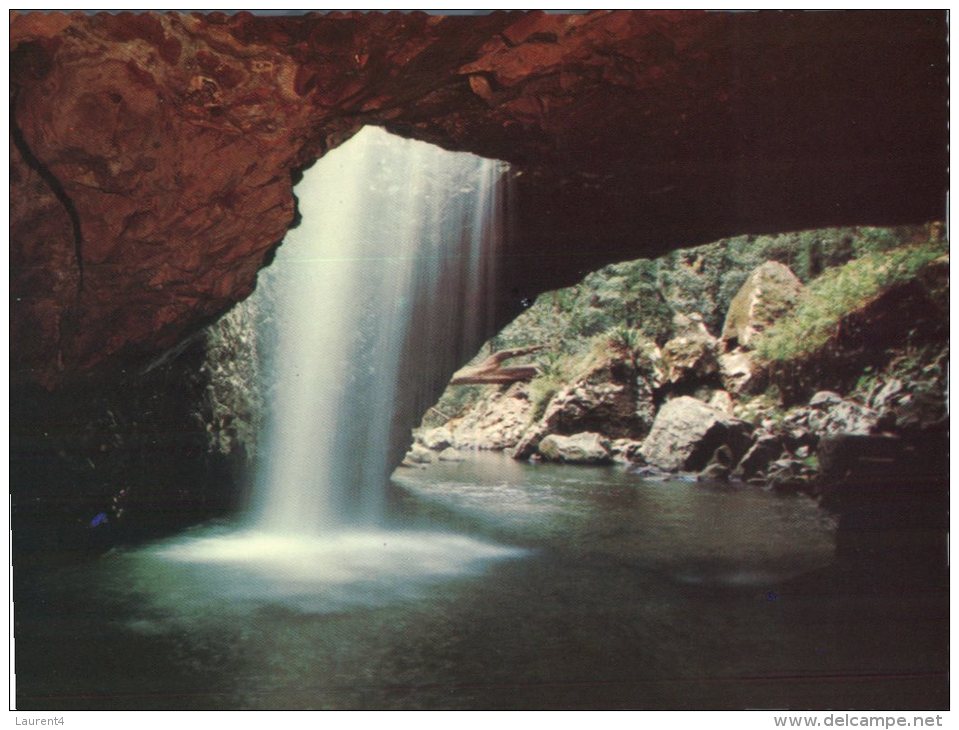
x: 491, y: 585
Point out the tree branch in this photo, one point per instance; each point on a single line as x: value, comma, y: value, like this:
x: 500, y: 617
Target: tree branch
x: 492, y: 372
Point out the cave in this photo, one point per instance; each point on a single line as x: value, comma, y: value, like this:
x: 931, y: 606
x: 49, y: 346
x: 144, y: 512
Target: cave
x: 160, y: 169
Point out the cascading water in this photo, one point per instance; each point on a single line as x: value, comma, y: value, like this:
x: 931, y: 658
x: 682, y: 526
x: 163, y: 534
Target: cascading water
x: 383, y: 282
x: 369, y: 306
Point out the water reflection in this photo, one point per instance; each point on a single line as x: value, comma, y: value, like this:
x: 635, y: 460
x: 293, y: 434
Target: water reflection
x: 532, y: 588
x: 697, y: 532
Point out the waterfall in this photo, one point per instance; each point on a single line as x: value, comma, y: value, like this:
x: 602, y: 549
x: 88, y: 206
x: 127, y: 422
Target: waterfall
x: 383, y: 289
x: 367, y: 309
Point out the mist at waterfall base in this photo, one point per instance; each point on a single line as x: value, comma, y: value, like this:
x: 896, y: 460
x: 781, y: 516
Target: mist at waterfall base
x: 370, y: 304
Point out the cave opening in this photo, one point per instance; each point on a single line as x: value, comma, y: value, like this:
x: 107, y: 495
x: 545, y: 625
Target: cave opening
x: 690, y: 494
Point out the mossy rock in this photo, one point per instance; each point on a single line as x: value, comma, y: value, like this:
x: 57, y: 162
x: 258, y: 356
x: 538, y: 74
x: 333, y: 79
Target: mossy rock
x: 770, y: 292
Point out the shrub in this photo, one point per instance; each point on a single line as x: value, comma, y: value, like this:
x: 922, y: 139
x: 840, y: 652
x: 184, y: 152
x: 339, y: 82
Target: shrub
x: 837, y: 292
x: 541, y: 392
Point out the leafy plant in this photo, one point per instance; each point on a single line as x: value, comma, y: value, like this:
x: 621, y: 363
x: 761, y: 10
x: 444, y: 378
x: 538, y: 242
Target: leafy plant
x: 624, y: 339
x: 839, y: 291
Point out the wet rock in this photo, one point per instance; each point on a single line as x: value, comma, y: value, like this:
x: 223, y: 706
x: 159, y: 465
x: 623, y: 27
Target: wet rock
x: 760, y: 455
x: 418, y: 455
x: 687, y: 433
x: 437, y: 439
x: 791, y: 475
x: 648, y: 472
x: 626, y: 451
x: 581, y: 448
x: 719, y: 466
x: 450, y: 454
x: 770, y: 292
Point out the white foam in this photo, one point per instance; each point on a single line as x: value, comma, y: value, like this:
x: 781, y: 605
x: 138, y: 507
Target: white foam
x: 341, y: 557
x: 241, y: 569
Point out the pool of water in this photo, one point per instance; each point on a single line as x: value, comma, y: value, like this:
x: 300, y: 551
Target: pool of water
x: 491, y: 585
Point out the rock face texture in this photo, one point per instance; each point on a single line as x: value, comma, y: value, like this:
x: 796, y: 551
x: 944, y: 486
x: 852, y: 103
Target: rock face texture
x: 153, y: 155
x: 913, y: 313
x: 690, y: 358
x: 613, y: 397
x: 581, y: 448
x: 687, y: 433
x: 770, y: 292
x: 497, y: 423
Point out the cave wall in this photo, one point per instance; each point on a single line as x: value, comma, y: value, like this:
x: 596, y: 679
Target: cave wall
x: 153, y: 155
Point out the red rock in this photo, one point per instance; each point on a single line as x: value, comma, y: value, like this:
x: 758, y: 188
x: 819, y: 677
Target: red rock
x: 172, y: 141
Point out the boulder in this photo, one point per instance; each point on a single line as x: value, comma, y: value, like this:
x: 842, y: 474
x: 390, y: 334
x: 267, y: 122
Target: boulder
x: 825, y: 399
x: 437, y: 439
x: 831, y: 414
x: 581, y: 448
x: 770, y: 292
x: 739, y: 373
x: 613, y: 398
x: 690, y: 358
x: 719, y: 467
x: 790, y: 475
x: 687, y: 433
x: 721, y: 401
x: 761, y: 454
x: 892, y: 497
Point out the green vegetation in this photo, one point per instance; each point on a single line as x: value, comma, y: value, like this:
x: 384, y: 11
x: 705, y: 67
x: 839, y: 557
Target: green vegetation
x: 645, y: 294
x: 837, y: 292
x: 455, y: 401
x: 541, y: 392
x: 626, y: 309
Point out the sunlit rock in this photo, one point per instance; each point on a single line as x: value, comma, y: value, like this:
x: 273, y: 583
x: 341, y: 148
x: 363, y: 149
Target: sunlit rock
x: 687, y: 432
x: 496, y: 422
x: 739, y: 372
x: 437, y: 439
x: 580, y: 448
x: 690, y: 358
x: 418, y: 455
x: 613, y: 397
x: 771, y: 292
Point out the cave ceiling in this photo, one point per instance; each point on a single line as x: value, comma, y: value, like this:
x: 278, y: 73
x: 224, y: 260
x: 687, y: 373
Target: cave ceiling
x: 153, y: 156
